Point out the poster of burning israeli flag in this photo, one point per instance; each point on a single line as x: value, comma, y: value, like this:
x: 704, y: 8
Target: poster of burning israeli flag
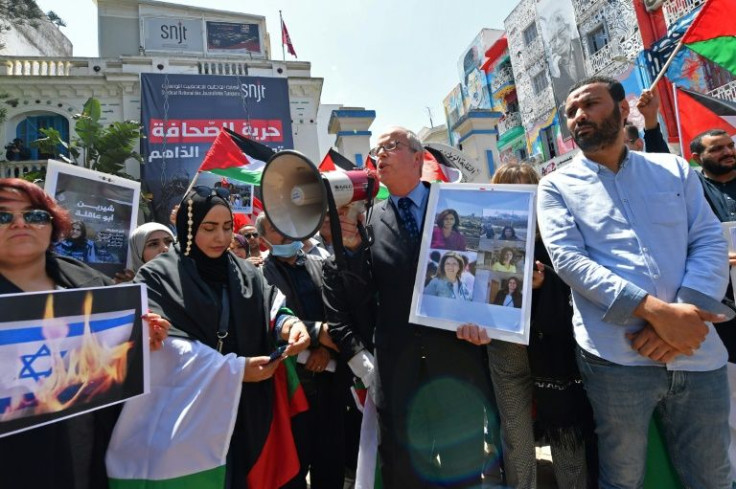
x: 68, y: 352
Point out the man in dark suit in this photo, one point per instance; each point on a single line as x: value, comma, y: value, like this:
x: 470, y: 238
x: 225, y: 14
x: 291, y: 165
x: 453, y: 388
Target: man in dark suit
x: 431, y: 389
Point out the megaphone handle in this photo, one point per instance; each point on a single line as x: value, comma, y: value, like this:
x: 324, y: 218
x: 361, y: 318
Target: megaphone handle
x: 337, y: 246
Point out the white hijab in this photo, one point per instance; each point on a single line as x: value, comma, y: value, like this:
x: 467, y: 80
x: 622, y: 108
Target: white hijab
x: 138, y: 240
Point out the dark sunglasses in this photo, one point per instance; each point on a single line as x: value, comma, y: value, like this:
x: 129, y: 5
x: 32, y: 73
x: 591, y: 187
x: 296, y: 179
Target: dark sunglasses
x: 38, y: 217
x: 204, y: 191
x: 250, y: 235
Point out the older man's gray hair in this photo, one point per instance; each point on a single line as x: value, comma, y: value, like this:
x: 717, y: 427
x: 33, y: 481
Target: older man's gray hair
x: 260, y: 224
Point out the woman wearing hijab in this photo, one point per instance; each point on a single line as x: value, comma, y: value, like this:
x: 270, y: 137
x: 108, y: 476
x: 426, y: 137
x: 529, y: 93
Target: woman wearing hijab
x: 239, y: 246
x: 446, y: 234
x: 146, y: 242
x: 223, y: 302
x: 67, y: 454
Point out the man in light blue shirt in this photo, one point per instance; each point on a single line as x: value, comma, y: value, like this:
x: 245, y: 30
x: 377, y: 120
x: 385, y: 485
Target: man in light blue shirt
x: 634, y: 237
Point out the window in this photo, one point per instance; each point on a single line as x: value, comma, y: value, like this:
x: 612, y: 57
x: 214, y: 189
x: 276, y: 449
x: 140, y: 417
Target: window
x: 530, y: 34
x: 512, y: 107
x: 548, y: 143
x: 539, y: 83
x: 597, y: 39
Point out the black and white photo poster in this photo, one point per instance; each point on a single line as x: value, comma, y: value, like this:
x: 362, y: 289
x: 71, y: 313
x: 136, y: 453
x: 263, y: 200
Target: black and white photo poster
x: 104, y: 211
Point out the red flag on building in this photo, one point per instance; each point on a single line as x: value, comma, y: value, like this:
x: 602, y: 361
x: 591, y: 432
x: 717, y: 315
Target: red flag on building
x: 286, y: 39
x: 698, y: 113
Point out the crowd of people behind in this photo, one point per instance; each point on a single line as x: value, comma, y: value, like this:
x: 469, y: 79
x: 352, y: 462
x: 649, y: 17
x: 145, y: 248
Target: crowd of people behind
x: 627, y: 280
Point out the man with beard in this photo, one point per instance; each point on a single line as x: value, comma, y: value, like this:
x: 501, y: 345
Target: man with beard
x: 714, y: 151
x: 647, y: 269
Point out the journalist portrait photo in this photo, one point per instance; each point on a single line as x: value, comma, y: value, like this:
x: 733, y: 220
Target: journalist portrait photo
x: 446, y: 232
x: 505, y: 259
x: 448, y: 279
x: 456, y: 222
x: 503, y: 228
x: 506, y: 290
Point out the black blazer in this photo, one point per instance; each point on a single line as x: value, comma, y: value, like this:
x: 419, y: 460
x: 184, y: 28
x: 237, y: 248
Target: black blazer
x: 372, y: 300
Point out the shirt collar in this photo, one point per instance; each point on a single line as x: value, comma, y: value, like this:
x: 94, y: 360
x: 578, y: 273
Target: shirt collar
x: 418, y: 196
x: 596, y: 167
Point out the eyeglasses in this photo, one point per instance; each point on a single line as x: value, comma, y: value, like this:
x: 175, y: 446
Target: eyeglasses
x: 34, y: 217
x: 204, y: 191
x: 250, y: 235
x: 388, y: 147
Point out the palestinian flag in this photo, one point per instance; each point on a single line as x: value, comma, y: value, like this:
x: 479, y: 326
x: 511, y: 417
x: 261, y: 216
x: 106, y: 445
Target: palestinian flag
x: 713, y: 33
x: 236, y: 157
x: 698, y: 112
x: 368, y: 471
x: 278, y: 462
x: 435, y: 170
x: 151, y: 446
x: 334, y: 161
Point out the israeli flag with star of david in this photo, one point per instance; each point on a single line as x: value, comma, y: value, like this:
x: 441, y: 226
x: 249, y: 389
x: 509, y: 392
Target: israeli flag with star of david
x: 30, y: 349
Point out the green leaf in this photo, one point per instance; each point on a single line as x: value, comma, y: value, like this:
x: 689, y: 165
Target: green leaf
x: 93, y: 109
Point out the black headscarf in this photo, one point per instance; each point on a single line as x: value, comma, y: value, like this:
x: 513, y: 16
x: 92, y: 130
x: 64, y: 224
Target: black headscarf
x: 192, y: 210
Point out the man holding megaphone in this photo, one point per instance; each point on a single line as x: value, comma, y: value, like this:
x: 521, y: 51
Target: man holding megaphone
x: 430, y: 387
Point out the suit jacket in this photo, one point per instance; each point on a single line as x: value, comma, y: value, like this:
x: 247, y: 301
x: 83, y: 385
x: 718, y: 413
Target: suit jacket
x: 373, y: 299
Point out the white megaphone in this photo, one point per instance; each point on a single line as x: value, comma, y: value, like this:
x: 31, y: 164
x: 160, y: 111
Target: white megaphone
x: 294, y: 193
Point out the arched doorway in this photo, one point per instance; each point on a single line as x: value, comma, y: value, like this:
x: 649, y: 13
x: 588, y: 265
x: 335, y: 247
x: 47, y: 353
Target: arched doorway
x: 29, y: 129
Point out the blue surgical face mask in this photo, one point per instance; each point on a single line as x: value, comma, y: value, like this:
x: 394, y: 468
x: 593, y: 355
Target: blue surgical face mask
x: 286, y: 250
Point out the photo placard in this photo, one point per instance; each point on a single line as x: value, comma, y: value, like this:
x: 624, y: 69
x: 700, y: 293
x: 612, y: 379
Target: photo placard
x: 476, y: 259
x: 104, y: 211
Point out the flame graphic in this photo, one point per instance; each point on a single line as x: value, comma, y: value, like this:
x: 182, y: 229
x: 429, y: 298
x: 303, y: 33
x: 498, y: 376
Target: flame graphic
x: 85, y: 372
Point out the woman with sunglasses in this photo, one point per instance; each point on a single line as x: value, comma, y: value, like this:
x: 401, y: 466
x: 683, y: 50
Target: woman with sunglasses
x: 70, y: 453
x: 224, y: 303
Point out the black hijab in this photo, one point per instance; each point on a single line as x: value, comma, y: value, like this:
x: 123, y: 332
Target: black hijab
x: 192, y: 211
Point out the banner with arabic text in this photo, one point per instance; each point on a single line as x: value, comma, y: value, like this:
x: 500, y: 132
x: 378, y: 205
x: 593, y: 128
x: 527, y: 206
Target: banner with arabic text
x: 182, y: 115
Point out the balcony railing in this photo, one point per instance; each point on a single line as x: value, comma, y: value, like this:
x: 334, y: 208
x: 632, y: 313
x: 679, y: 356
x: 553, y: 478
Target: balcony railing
x: 509, y: 121
x: 674, y: 9
x: 726, y: 92
x: 603, y: 57
x: 532, y: 53
x: 502, y: 77
x: 16, y: 169
x: 585, y: 7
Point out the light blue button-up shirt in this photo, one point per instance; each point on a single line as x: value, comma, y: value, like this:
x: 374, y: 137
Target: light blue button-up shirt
x: 616, y: 237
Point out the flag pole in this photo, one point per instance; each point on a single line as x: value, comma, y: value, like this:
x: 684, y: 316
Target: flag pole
x: 283, y: 51
x: 677, y: 115
x: 191, y: 185
x: 666, y: 65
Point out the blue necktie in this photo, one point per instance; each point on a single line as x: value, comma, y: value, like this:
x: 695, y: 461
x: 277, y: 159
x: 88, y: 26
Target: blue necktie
x: 407, y: 219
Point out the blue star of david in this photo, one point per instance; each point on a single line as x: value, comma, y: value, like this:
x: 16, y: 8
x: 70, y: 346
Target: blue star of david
x: 28, y: 372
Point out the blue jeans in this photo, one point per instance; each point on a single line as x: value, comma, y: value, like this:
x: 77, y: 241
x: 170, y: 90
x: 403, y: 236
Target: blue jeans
x: 694, y: 409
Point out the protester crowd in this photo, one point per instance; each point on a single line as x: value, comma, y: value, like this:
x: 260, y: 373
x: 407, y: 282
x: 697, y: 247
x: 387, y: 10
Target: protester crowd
x: 629, y: 277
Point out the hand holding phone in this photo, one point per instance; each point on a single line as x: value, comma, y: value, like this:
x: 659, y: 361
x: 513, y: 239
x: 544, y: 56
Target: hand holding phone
x: 277, y: 353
